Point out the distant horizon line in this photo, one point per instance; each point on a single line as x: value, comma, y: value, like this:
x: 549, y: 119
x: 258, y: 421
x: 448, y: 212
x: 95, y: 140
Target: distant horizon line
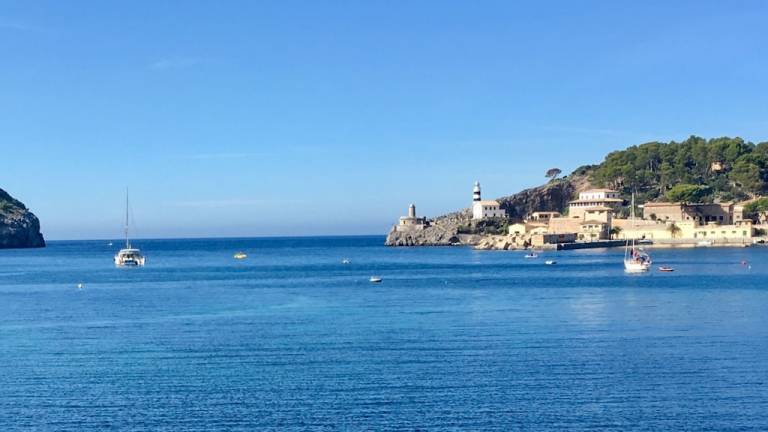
x: 220, y: 237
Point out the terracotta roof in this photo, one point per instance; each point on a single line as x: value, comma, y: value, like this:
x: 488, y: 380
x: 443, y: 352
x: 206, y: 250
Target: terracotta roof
x: 596, y: 200
x: 593, y: 222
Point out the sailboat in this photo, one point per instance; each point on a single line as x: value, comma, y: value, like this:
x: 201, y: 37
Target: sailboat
x: 128, y: 256
x: 636, y: 260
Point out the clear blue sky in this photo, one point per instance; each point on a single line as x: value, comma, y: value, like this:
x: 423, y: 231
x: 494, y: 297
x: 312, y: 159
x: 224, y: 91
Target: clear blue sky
x: 314, y: 117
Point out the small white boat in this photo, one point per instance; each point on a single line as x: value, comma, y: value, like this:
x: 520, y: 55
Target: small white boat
x: 346, y: 261
x: 704, y: 243
x: 128, y: 256
x: 636, y: 260
x: 531, y: 255
x: 240, y: 256
x: 375, y: 279
x: 550, y: 262
x: 666, y: 269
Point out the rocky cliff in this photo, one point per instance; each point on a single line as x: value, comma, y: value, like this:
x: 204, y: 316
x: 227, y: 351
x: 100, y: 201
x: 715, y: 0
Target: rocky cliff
x: 19, y: 228
x: 453, y: 228
x: 442, y: 231
x: 553, y: 196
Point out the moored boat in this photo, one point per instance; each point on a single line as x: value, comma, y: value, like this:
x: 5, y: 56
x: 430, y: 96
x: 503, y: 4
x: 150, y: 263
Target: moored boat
x: 636, y: 260
x: 128, y: 256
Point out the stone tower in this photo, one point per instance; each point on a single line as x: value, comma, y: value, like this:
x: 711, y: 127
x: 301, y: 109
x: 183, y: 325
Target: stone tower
x: 412, y: 211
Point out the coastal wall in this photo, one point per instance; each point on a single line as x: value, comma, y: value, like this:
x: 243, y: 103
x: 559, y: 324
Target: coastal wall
x: 19, y: 228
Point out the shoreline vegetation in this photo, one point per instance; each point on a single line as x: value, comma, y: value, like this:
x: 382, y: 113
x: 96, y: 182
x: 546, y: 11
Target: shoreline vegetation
x: 697, y: 192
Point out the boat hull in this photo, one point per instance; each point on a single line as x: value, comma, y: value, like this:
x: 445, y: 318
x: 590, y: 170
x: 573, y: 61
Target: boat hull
x: 129, y: 258
x: 636, y: 267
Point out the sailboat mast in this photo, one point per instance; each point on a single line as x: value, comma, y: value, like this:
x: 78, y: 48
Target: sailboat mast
x: 632, y: 210
x: 127, y: 241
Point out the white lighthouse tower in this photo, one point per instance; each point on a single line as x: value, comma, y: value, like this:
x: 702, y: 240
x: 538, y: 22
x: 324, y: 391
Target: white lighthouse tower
x: 485, y: 209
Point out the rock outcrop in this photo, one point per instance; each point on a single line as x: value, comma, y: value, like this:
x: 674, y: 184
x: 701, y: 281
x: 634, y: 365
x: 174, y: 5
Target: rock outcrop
x: 442, y: 231
x: 553, y: 196
x: 498, y: 242
x: 19, y: 228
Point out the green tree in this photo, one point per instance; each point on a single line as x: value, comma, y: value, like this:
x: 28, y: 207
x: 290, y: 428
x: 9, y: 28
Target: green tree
x: 687, y: 193
x: 674, y: 230
x: 747, y: 175
x: 614, y: 232
x: 553, y: 173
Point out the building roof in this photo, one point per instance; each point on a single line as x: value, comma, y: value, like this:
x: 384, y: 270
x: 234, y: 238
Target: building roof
x: 593, y: 222
x: 601, y: 208
x: 680, y: 204
x: 661, y: 204
x: 545, y: 212
x: 596, y: 200
x: 488, y: 202
x: 597, y: 190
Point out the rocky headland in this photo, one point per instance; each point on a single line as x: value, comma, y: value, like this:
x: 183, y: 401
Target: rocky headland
x: 19, y: 228
x: 458, y: 228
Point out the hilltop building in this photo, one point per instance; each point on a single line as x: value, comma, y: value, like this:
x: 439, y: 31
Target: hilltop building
x: 411, y: 222
x: 594, y: 198
x: 484, y: 209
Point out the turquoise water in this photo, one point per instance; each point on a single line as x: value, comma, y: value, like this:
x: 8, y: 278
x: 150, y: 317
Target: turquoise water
x: 453, y: 339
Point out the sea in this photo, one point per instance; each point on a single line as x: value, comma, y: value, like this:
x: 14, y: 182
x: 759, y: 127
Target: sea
x: 291, y: 338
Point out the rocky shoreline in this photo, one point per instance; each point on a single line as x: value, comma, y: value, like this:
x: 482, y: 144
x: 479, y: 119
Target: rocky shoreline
x: 19, y: 227
x: 458, y: 229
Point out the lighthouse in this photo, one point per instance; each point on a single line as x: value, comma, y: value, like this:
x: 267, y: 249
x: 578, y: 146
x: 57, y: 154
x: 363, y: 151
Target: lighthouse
x: 485, y: 209
x: 411, y: 222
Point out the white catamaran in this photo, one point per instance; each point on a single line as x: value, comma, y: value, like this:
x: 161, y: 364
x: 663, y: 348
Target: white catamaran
x: 636, y: 260
x: 128, y: 256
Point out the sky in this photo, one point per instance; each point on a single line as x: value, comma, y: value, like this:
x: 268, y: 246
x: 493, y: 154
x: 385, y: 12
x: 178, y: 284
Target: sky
x: 259, y: 118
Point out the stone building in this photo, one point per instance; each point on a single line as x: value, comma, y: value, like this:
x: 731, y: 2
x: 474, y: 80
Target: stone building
x: 594, y: 198
x: 721, y: 213
x: 411, y: 222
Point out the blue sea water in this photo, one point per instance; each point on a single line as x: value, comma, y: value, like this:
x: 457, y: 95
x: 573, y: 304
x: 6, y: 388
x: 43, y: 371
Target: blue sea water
x: 453, y: 339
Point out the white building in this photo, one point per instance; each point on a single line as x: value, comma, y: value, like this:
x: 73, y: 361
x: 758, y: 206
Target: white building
x: 484, y: 209
x: 594, y: 198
